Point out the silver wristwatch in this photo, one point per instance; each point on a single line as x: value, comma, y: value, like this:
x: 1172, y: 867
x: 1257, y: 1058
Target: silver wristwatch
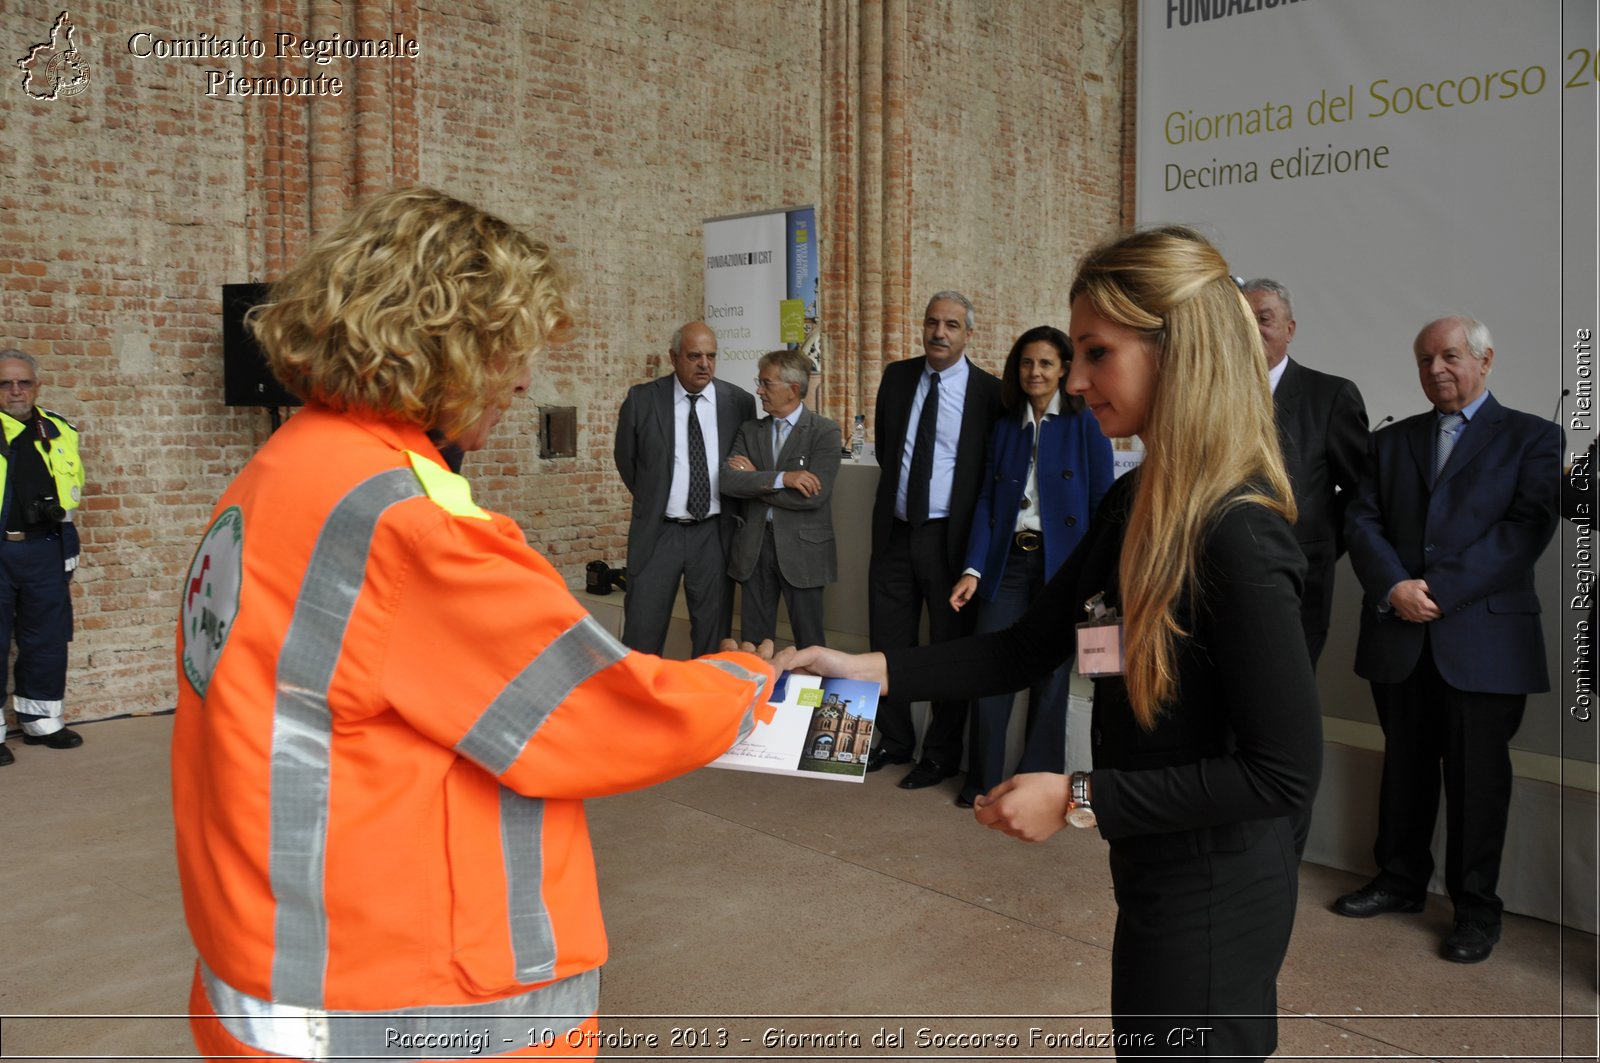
x: 1080, y: 813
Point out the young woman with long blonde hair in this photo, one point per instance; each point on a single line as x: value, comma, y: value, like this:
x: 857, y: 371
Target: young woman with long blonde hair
x: 1207, y: 729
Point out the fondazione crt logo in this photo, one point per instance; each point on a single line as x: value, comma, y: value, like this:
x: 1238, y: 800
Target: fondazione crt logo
x: 54, y: 69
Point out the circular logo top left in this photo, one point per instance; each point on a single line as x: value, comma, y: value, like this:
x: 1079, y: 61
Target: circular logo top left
x: 211, y: 597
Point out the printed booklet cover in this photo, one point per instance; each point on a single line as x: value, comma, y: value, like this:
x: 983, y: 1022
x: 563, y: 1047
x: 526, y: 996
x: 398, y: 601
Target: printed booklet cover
x: 820, y: 728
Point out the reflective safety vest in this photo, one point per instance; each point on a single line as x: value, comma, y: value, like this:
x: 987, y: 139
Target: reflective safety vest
x: 60, y: 453
x: 390, y: 709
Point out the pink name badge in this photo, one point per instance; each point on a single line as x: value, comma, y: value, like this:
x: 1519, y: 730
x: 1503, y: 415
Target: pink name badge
x: 1099, y: 649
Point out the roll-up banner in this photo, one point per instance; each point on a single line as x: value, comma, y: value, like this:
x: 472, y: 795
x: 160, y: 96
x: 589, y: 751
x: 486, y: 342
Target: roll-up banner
x: 761, y: 286
x: 802, y: 311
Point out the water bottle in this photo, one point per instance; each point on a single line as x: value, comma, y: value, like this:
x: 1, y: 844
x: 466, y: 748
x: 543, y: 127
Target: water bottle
x: 858, y: 438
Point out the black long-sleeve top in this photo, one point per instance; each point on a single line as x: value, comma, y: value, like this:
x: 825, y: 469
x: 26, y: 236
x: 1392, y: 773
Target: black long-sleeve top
x: 1239, y: 744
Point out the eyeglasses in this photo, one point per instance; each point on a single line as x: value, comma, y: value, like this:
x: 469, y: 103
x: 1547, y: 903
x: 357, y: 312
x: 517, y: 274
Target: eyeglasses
x: 18, y: 385
x: 762, y: 384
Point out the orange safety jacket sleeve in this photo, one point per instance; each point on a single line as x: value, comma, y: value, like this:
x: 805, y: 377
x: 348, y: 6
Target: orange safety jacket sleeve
x: 491, y: 655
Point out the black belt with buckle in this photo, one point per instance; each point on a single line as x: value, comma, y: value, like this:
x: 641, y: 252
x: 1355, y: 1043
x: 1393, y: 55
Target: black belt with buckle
x: 687, y: 522
x: 1028, y: 541
x: 51, y: 532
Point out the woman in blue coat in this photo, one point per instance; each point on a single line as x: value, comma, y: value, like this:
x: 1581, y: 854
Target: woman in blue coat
x: 1032, y: 512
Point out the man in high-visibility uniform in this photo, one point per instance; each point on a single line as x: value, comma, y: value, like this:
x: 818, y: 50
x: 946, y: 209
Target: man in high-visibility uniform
x: 390, y: 707
x: 43, y: 477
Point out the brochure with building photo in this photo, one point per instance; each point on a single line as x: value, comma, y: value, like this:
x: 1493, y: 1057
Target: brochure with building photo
x: 820, y: 728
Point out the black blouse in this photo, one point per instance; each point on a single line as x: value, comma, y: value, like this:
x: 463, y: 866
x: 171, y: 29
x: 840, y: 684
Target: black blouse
x: 1241, y: 741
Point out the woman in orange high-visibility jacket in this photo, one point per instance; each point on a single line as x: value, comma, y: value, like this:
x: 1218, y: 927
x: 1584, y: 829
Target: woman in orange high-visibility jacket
x: 390, y: 708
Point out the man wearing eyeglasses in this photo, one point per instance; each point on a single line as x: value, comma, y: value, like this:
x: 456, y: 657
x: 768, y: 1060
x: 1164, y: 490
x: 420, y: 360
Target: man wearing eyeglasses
x: 38, y: 552
x: 784, y: 465
x: 673, y: 435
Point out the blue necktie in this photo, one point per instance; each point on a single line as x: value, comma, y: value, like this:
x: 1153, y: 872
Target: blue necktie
x: 780, y: 432
x: 1445, y: 442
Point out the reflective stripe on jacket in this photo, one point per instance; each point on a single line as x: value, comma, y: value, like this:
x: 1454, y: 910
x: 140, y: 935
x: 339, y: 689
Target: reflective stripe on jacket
x: 61, y: 457
x: 548, y: 1021
x: 389, y: 710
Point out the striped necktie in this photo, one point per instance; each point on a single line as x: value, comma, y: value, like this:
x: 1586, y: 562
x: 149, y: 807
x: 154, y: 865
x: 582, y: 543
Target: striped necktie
x: 1446, y: 441
x: 699, y: 500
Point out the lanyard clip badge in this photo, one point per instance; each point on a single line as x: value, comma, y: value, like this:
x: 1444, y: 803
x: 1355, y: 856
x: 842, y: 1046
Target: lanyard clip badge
x: 1100, y: 640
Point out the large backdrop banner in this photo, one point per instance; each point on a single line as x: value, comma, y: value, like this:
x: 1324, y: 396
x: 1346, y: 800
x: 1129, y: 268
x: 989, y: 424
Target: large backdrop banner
x: 1391, y: 163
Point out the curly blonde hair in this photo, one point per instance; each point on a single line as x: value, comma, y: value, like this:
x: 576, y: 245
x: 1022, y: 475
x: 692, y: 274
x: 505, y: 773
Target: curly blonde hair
x: 416, y: 306
x: 1211, y: 439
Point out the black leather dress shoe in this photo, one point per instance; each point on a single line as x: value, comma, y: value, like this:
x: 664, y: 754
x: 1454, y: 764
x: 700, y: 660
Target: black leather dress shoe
x: 1471, y: 942
x: 66, y: 738
x: 926, y: 773
x: 880, y: 757
x: 6, y: 756
x: 964, y: 800
x: 1371, y: 900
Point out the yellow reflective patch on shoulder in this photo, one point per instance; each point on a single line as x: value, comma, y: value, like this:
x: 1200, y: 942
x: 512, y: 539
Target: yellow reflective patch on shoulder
x: 448, y: 491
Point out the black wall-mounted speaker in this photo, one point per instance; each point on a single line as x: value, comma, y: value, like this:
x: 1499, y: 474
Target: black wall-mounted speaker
x: 246, y: 380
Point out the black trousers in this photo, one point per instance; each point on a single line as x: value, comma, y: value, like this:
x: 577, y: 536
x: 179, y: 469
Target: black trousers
x: 911, y: 574
x: 1428, y: 725
x: 1046, y: 745
x: 36, y: 610
x: 1199, y: 942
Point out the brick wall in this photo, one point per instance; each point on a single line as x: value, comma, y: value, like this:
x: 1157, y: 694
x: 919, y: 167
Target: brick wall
x: 1015, y: 121
x: 982, y: 150
x: 997, y: 137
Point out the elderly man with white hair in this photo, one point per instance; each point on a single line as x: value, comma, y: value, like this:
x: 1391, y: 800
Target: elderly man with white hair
x: 1455, y: 508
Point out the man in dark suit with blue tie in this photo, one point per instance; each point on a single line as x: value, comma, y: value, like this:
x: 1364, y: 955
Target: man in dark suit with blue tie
x: 931, y: 423
x: 1456, y: 506
x: 670, y: 446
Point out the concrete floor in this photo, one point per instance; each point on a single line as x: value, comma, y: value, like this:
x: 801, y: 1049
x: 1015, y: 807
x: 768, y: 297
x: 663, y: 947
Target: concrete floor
x: 766, y: 908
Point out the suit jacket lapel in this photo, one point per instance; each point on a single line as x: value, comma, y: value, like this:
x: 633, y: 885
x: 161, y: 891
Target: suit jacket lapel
x: 1420, y: 440
x: 973, y: 430
x: 1286, y: 399
x: 727, y: 415
x: 900, y: 420
x: 801, y: 424
x: 1473, y: 438
x: 663, y: 412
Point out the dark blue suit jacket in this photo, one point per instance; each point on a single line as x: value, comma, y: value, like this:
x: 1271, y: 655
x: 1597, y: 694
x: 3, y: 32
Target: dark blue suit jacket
x: 896, y: 390
x: 1473, y: 536
x: 1075, y: 471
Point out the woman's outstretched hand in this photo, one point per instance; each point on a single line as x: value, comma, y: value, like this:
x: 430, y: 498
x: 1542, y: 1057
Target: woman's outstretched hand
x: 836, y: 664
